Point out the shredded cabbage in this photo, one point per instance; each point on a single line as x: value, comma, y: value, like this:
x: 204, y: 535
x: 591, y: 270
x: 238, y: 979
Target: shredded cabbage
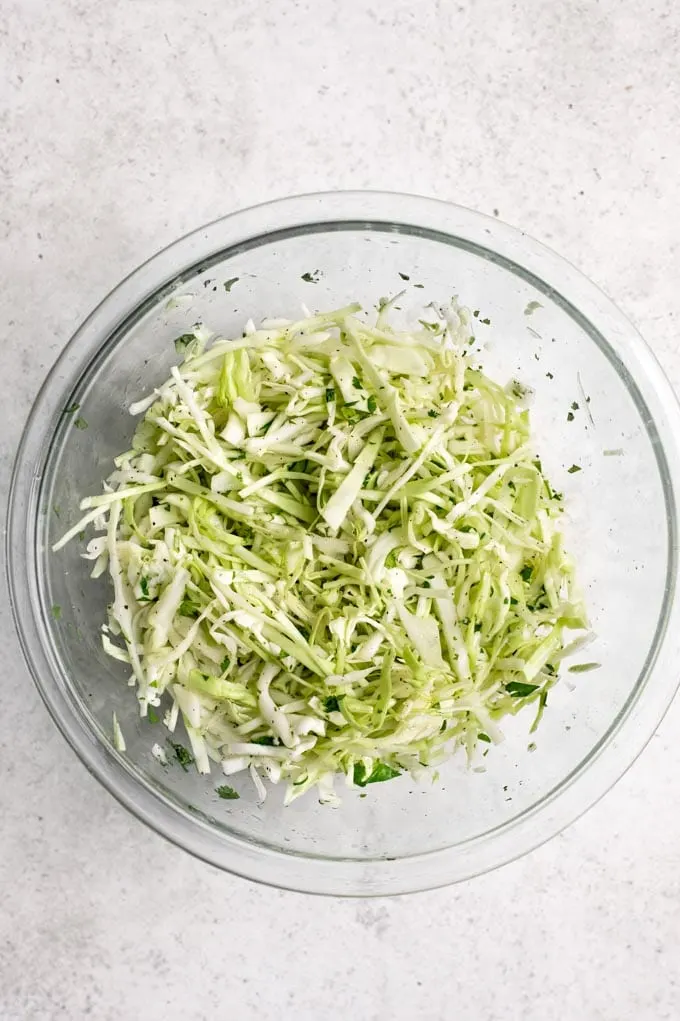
x: 333, y: 552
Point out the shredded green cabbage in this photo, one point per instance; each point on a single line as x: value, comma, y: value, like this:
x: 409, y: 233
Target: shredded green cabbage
x: 333, y: 551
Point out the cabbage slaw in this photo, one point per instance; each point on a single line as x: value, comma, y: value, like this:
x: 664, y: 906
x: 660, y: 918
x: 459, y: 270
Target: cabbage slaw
x: 333, y: 551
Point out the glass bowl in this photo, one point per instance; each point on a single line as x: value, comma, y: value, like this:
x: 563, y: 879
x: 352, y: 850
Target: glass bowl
x: 601, y: 401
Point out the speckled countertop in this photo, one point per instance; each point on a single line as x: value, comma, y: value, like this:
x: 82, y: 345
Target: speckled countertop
x: 124, y: 124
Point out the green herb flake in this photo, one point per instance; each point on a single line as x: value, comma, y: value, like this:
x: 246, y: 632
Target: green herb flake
x: 152, y: 715
x: 356, y: 383
x: 80, y: 423
x: 182, y: 754
x: 56, y: 612
x: 484, y: 737
x: 228, y: 284
x: 225, y: 664
x: 518, y: 689
x: 583, y: 668
x: 404, y: 276
x: 311, y: 278
x: 380, y: 772
x: 570, y: 416
x: 144, y: 586
x: 266, y: 740
x: 432, y: 413
x: 574, y: 468
x: 331, y: 704
x: 371, y: 404
x: 227, y: 793
x: 549, y: 375
x: 72, y: 408
x: 574, y: 405
x: 526, y: 572
x: 330, y: 395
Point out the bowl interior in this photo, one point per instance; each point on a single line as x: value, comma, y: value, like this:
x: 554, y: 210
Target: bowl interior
x: 586, y: 412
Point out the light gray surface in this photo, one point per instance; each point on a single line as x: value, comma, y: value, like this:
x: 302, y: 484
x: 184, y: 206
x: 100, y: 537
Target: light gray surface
x: 123, y: 125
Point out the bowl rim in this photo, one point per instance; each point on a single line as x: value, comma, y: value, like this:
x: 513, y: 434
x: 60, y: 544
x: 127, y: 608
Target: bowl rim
x: 618, y: 747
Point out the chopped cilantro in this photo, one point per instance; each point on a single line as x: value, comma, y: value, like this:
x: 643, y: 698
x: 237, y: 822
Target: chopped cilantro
x: 80, y: 423
x: 432, y: 413
x: 356, y: 383
x: 152, y: 715
x: 228, y: 284
x: 570, y: 416
x: 226, y: 792
x: 583, y: 668
x: 71, y: 408
x: 371, y: 404
x: 520, y: 690
x: 330, y: 395
x: 381, y: 771
x: 550, y: 375
x: 404, y: 276
x: 56, y: 611
x: 574, y: 468
x: 484, y: 737
x: 311, y: 278
x: 182, y: 754
x: 263, y: 740
x: 526, y: 572
x: 224, y: 665
x: 574, y: 405
x: 331, y: 704
x: 144, y: 586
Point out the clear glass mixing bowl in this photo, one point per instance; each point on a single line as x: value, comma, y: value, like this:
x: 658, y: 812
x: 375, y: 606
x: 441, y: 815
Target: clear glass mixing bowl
x: 597, y: 388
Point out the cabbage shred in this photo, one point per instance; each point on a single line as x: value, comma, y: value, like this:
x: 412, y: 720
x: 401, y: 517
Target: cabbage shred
x: 333, y: 551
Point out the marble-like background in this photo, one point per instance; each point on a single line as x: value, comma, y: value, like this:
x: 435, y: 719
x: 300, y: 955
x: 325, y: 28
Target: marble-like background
x: 124, y: 124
